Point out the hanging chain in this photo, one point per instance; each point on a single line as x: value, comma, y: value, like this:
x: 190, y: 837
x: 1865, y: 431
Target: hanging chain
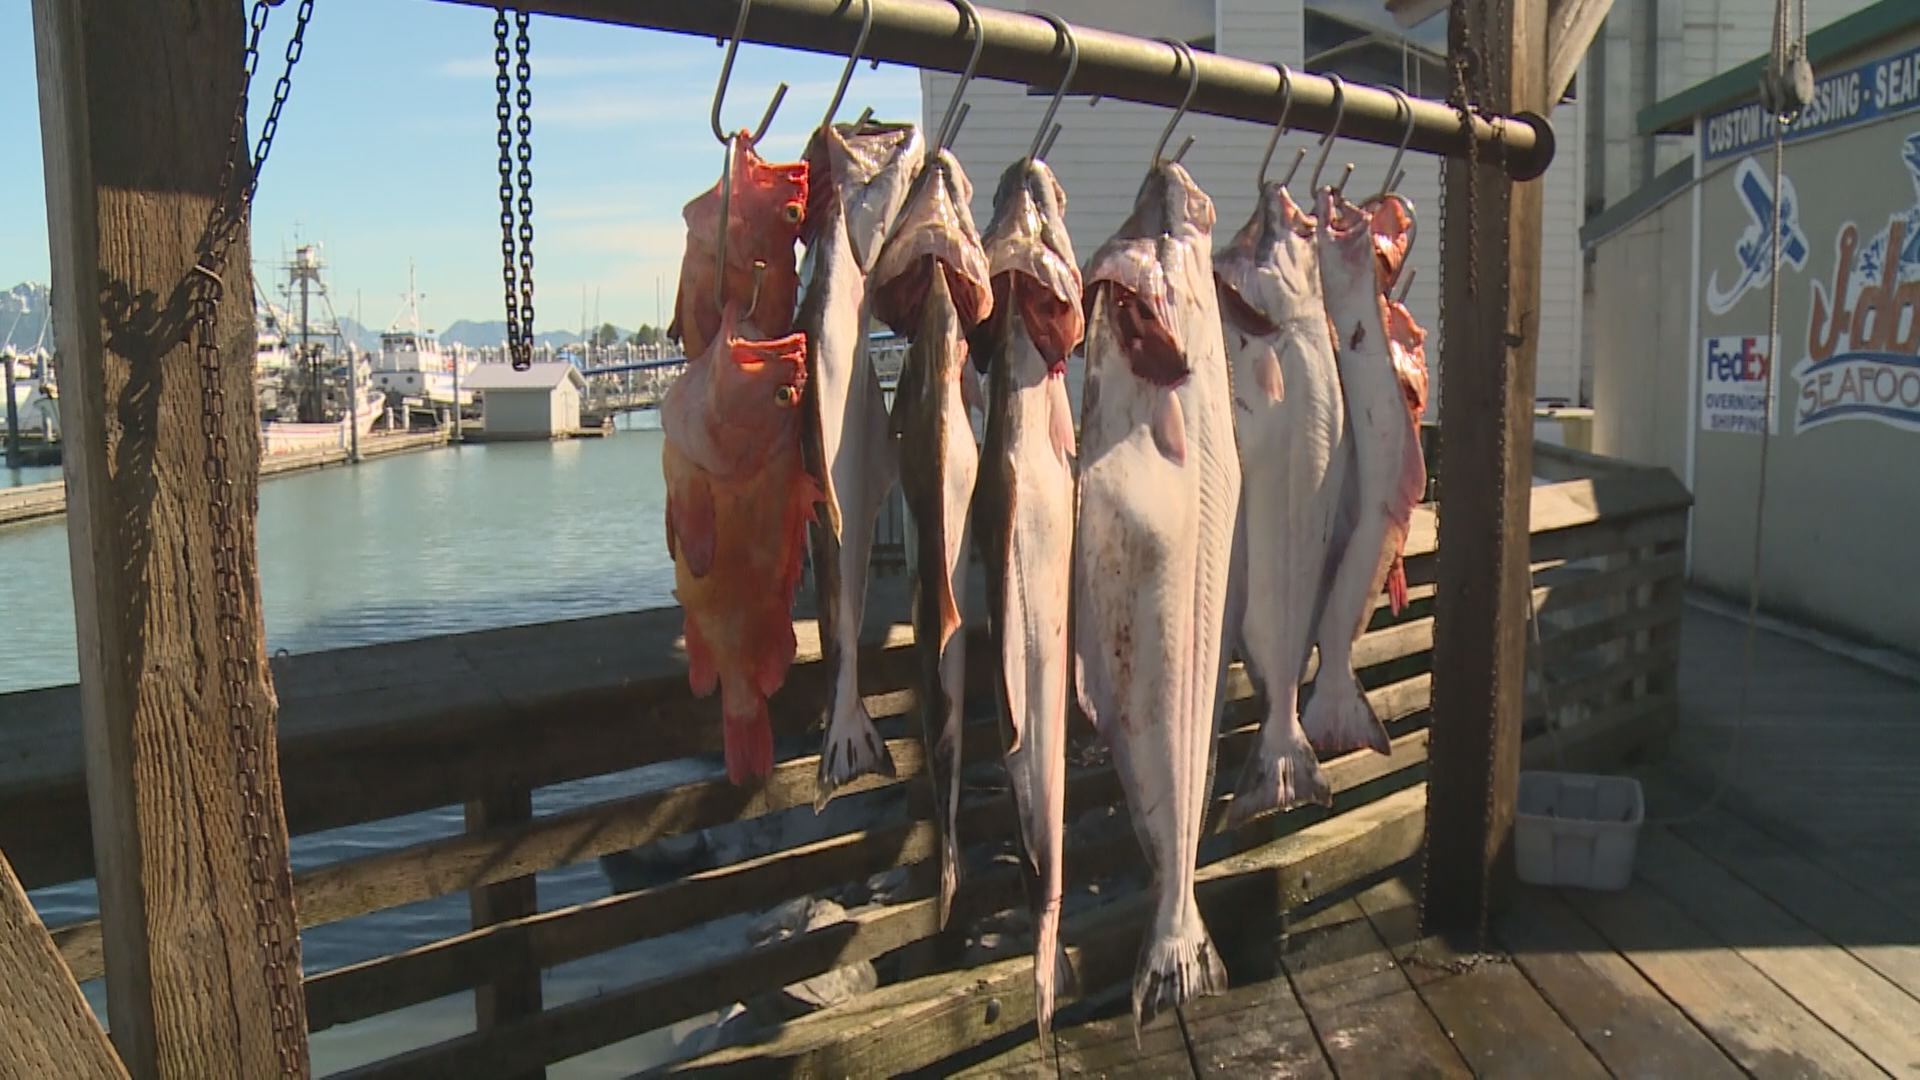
x: 269, y: 877
x: 517, y: 279
x: 1470, y: 75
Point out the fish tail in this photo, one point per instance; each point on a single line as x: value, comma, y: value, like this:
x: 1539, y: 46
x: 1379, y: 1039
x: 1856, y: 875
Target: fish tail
x: 1050, y: 968
x: 1280, y: 774
x: 749, y: 742
x: 1339, y: 718
x: 853, y: 749
x: 1397, y: 584
x: 949, y: 871
x: 1177, y: 964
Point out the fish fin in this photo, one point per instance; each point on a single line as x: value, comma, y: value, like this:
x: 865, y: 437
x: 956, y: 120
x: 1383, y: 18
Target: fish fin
x: 970, y: 393
x: 853, y: 749
x: 1013, y: 661
x: 1413, y: 485
x: 775, y: 655
x: 702, y: 675
x: 1061, y: 425
x: 1170, y: 427
x: 1339, y: 718
x: 1266, y: 370
x: 1397, y: 585
x: 749, y: 742
x: 1052, y: 972
x: 1280, y: 774
x: 690, y: 520
x: 1177, y: 964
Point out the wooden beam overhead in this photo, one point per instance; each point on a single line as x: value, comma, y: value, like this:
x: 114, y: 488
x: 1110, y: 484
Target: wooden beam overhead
x: 1571, y: 26
x: 136, y: 103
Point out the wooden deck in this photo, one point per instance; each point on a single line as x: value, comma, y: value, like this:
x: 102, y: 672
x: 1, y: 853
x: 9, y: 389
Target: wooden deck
x: 1775, y: 932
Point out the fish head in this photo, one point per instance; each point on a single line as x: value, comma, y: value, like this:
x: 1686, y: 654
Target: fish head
x: 1170, y: 204
x: 1347, y: 248
x: 1390, y: 219
x: 754, y: 392
x: 1160, y: 250
x: 1030, y: 258
x: 768, y: 203
x: 935, y: 232
x: 1269, y: 255
x: 866, y: 168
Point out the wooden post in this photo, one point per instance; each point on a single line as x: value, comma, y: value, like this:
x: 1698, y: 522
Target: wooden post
x: 13, y: 411
x: 1491, y: 299
x: 46, y: 1028
x: 514, y: 991
x: 136, y: 102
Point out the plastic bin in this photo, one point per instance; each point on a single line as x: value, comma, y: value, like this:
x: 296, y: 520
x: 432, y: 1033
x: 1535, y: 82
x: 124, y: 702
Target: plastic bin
x: 1577, y: 830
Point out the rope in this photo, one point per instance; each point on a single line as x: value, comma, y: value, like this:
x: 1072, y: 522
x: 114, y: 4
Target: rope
x: 1789, y: 49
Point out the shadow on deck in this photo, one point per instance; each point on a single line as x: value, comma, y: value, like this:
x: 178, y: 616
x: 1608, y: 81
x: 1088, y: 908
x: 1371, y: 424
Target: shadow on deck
x: 1774, y: 933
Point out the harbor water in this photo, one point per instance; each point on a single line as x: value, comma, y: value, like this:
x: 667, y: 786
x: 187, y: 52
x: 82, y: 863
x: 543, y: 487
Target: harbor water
x: 437, y: 542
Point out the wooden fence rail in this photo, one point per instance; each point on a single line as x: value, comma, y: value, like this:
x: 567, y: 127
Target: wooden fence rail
x: 483, y: 720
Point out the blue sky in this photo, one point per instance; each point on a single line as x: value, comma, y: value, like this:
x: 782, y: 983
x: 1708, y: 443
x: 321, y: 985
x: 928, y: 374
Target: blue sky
x: 386, y: 152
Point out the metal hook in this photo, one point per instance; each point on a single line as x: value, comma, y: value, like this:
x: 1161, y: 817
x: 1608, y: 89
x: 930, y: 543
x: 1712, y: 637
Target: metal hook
x: 1041, y: 138
x: 1394, y: 172
x: 948, y: 129
x: 1333, y: 130
x: 853, y: 60
x: 1345, y: 176
x: 1299, y: 158
x: 1182, y: 52
x: 1280, y: 125
x: 726, y: 73
x: 720, y: 248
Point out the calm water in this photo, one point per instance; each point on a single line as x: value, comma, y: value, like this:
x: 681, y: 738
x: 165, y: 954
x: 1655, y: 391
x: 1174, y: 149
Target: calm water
x: 429, y: 543
x: 414, y: 545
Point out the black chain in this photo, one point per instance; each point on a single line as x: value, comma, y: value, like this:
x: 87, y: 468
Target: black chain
x: 269, y: 877
x: 519, y: 300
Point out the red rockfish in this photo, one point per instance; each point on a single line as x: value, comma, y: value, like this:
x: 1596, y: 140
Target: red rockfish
x: 739, y: 500
x: 764, y: 216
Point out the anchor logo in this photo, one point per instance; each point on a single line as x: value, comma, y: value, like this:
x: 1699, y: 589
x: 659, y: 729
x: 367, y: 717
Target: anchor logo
x: 1754, y: 251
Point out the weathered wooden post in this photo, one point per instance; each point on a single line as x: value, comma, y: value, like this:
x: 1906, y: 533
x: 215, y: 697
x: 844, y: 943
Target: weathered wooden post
x: 1490, y: 306
x: 46, y: 1028
x: 137, y: 107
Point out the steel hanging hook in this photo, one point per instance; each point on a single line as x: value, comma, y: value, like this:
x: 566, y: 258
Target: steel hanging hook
x: 726, y: 73
x: 853, y: 60
x: 1280, y: 125
x: 1333, y: 130
x: 1181, y: 52
x: 969, y: 17
x: 1406, y: 136
x: 1041, y: 138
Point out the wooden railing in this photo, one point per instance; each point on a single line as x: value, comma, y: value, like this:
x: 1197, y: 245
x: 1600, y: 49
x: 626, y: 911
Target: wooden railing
x: 484, y: 720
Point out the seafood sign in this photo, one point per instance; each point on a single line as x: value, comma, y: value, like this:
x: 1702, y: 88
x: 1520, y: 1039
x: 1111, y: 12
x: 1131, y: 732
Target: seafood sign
x: 738, y: 504
x: 1863, y: 326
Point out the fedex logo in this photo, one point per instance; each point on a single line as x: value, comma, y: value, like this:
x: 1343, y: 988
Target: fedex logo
x: 1736, y: 377
x: 1737, y: 359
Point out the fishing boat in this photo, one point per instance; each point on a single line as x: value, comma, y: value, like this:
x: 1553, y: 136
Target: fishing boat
x: 36, y: 397
x: 413, y: 364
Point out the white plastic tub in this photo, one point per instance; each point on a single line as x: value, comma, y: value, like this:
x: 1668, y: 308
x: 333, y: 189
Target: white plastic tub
x: 1577, y: 830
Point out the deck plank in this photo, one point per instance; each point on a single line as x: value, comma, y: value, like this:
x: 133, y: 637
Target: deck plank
x: 1363, y: 1009
x: 1496, y: 1018
x: 1105, y: 1046
x: 1877, y: 1017
x: 1258, y: 1029
x: 1627, y: 1023
x: 1882, y: 935
x: 1756, y: 1023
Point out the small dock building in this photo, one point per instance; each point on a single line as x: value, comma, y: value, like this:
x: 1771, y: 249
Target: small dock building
x: 542, y: 402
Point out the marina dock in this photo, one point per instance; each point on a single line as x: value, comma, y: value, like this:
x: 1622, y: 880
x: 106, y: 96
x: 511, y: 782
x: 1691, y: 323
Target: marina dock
x: 35, y: 502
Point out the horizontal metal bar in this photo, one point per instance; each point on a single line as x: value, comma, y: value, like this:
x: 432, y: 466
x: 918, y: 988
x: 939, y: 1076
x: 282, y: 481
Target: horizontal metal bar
x: 1024, y: 49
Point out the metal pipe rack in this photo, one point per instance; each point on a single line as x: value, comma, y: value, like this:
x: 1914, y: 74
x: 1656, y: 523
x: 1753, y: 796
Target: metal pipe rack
x: 1023, y: 48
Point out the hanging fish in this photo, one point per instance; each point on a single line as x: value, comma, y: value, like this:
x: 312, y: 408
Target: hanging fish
x: 931, y: 285
x: 764, y: 215
x: 1294, y: 456
x: 1023, y: 519
x: 858, y: 178
x: 738, y: 502
x: 1392, y: 224
x: 1388, y: 478
x: 1159, y: 492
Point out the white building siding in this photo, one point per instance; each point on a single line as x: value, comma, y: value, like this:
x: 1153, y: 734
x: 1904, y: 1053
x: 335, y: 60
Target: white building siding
x: 1103, y: 152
